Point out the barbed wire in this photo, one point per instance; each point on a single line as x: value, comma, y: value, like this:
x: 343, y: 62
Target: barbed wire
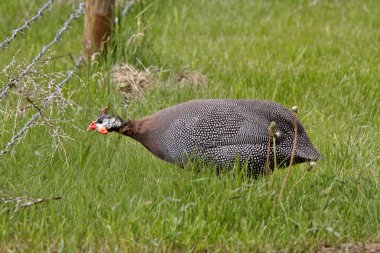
x: 6, y: 42
x: 127, y: 7
x: 20, y: 134
x: 57, y: 37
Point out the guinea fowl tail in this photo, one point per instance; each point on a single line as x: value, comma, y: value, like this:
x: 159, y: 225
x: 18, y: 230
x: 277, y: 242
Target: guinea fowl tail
x: 305, y: 149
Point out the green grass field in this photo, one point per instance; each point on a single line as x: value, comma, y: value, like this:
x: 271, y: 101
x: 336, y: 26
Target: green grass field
x: 322, y: 56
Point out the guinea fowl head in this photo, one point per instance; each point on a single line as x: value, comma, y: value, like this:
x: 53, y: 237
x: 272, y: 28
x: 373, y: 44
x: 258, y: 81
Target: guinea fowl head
x: 105, y: 123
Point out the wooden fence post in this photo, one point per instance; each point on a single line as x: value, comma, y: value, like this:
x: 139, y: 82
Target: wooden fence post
x: 97, y: 25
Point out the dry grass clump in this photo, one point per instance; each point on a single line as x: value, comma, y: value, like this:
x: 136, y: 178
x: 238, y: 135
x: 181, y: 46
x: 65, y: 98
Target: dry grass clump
x: 132, y: 82
x: 188, y: 77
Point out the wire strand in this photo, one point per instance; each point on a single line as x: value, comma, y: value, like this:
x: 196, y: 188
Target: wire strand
x: 127, y: 7
x: 45, y: 48
x: 26, y: 25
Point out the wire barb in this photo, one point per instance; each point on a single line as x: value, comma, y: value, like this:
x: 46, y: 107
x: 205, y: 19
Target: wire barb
x: 127, y: 7
x: 20, y: 134
x: 26, y: 24
x: 45, y: 48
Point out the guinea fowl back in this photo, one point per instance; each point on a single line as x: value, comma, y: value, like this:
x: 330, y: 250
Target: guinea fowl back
x: 219, y: 130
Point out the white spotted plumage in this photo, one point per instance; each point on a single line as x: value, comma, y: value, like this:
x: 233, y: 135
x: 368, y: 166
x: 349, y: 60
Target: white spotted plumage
x: 220, y: 131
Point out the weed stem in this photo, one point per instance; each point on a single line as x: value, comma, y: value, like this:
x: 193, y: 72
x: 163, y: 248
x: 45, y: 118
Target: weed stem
x: 295, y: 111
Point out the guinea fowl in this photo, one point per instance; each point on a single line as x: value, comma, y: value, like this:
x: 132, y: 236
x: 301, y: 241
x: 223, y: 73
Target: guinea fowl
x: 220, y: 132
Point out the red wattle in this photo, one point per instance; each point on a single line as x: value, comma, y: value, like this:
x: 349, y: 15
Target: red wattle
x: 91, y: 127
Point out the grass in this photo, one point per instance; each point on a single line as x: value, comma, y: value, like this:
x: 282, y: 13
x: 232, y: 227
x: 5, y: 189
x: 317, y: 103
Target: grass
x: 319, y: 55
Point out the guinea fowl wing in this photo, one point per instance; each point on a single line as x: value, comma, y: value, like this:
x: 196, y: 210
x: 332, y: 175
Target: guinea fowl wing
x: 213, y: 126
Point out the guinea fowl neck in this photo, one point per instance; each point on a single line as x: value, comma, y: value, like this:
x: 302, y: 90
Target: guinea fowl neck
x: 142, y: 130
x: 139, y: 127
x: 127, y: 128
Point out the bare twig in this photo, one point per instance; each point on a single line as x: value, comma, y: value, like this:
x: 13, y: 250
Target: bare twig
x: 295, y: 111
x: 57, y: 37
x: 24, y: 202
x: 6, y: 42
x: 20, y: 134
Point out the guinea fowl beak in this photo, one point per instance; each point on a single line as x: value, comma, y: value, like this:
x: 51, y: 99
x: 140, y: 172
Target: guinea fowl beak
x: 91, y: 127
